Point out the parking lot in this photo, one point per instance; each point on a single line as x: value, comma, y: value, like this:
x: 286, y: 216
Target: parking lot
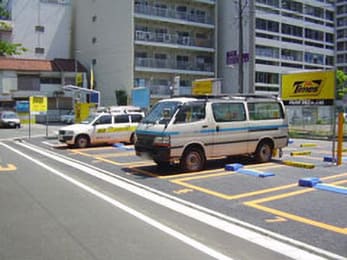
x: 267, y: 195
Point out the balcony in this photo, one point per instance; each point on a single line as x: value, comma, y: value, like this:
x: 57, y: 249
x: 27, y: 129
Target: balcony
x: 165, y: 65
x: 169, y: 13
x: 174, y: 39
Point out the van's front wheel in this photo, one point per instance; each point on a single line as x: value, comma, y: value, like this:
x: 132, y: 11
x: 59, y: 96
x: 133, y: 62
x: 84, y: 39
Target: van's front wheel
x: 264, y: 152
x: 193, y: 159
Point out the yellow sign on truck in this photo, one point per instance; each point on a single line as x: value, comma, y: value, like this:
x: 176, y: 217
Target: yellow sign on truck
x: 309, y: 88
x: 206, y: 86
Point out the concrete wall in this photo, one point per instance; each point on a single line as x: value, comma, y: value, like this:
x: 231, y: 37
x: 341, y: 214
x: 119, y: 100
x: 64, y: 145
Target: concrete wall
x: 56, y: 20
x: 112, y: 52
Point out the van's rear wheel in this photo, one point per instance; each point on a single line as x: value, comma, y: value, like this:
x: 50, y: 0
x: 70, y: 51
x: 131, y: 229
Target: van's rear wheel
x: 264, y: 152
x: 193, y: 159
x: 82, y: 141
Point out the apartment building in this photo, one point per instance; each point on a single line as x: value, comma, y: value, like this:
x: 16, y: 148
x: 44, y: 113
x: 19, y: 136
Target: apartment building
x: 279, y: 36
x: 341, y: 35
x: 160, y: 44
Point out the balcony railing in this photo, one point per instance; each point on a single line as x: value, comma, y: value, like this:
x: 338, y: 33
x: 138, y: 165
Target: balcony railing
x: 172, y: 39
x: 172, y: 14
x: 164, y: 90
x: 175, y: 65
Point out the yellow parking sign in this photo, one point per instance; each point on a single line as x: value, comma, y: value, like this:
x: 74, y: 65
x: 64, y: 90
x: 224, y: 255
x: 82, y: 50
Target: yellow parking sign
x: 38, y: 104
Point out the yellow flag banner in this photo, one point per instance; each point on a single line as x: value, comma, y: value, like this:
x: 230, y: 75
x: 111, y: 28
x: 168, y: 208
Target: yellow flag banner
x: 79, y: 79
x: 91, y: 77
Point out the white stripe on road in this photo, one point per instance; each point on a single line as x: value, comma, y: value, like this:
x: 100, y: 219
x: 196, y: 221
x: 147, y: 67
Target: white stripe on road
x: 185, y: 239
x: 266, y: 239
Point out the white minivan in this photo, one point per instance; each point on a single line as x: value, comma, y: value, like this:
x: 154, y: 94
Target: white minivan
x: 192, y: 130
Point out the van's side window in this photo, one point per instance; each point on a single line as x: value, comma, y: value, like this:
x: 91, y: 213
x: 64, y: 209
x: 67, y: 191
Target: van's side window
x: 191, y: 112
x: 265, y: 111
x: 121, y: 119
x: 227, y: 112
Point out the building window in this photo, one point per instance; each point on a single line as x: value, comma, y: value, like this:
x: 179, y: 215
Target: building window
x: 39, y: 28
x: 29, y: 82
x: 94, y: 18
x: 266, y: 77
x: 94, y: 40
x: 266, y: 25
x: 292, y: 30
x: 39, y: 50
x: 266, y: 51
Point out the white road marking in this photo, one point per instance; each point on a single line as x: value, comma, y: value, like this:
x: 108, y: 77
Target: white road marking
x: 185, y: 239
x: 267, y: 239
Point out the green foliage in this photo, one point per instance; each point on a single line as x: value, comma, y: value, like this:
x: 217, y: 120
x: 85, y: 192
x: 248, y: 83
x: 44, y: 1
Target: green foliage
x: 5, y: 26
x: 341, y: 87
x: 4, y: 14
x: 10, y: 49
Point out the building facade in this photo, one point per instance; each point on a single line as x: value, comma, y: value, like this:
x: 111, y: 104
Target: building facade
x: 43, y: 27
x: 279, y: 36
x: 341, y: 35
x: 160, y: 44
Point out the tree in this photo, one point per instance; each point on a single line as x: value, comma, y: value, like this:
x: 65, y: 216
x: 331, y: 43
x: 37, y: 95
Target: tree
x: 341, y: 87
x: 10, y: 49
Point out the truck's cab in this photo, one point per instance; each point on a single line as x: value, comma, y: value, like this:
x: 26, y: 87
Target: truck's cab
x: 100, y: 128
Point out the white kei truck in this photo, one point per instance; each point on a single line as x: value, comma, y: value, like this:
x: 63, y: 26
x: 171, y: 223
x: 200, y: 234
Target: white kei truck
x: 101, y: 128
x: 191, y: 130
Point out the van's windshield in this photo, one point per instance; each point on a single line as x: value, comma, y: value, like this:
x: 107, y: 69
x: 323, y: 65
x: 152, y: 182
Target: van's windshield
x: 162, y: 112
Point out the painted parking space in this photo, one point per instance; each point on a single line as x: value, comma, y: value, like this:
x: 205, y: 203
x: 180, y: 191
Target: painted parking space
x: 313, y: 215
x: 263, y: 194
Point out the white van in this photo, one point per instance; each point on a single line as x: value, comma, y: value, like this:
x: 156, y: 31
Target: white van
x: 100, y: 128
x: 192, y: 130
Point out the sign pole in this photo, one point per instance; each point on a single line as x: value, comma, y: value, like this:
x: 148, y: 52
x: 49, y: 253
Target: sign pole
x: 29, y: 121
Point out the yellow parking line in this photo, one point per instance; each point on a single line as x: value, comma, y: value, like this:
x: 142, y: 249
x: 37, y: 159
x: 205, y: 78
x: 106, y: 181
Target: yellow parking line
x: 9, y: 167
x: 93, y: 148
x: 283, y: 214
x: 117, y: 154
x: 191, y: 174
x: 183, y: 182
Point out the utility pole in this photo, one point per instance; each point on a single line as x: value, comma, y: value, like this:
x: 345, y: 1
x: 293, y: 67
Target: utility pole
x: 240, y: 48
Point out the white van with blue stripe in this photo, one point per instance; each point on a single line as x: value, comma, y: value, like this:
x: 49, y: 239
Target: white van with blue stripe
x: 191, y: 130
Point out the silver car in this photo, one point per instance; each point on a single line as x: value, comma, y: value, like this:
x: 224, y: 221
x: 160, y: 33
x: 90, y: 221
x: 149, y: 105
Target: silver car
x: 9, y: 119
